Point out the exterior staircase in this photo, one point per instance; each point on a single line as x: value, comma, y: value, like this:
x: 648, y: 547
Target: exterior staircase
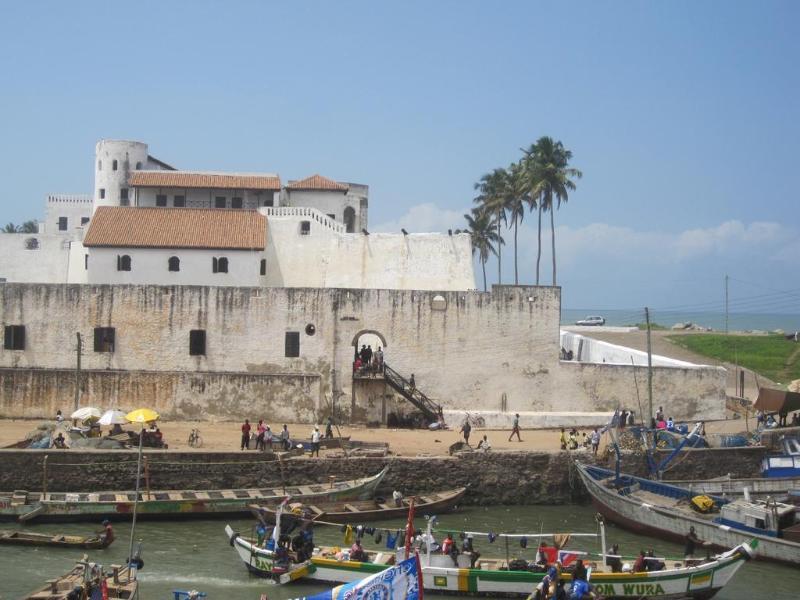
x: 403, y: 387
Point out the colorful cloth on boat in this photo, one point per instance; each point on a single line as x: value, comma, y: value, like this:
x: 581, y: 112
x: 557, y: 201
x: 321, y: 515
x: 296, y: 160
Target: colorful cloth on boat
x: 566, y: 558
x: 348, y: 535
x: 401, y: 581
x: 391, y: 540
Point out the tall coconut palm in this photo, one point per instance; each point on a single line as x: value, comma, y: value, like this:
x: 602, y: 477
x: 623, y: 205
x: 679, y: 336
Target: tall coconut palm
x: 515, y: 206
x: 29, y: 227
x: 530, y: 181
x: 493, y: 191
x: 550, y: 179
x: 10, y: 228
x: 480, y: 226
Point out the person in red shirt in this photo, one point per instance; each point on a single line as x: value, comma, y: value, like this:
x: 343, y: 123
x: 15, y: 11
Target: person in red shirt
x: 246, y: 434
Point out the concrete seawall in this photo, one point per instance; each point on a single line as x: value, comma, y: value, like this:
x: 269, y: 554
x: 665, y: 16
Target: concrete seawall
x: 496, y: 478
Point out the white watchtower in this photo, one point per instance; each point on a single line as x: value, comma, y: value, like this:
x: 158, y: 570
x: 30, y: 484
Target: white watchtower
x: 114, y: 160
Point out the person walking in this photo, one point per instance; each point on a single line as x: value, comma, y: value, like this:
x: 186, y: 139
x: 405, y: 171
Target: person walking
x: 595, y: 441
x: 246, y: 434
x: 515, y: 428
x: 466, y: 428
x: 315, y: 435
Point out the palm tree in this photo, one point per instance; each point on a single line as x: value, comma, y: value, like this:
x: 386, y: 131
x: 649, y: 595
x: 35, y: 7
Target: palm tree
x: 480, y: 226
x: 530, y: 181
x: 10, y: 228
x: 549, y: 177
x: 515, y: 206
x: 29, y: 227
x: 493, y: 190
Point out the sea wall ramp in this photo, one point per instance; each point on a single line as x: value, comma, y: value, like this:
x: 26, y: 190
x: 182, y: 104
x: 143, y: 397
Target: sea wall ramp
x: 492, y: 478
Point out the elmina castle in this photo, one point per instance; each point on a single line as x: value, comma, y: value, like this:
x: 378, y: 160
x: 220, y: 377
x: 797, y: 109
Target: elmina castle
x: 232, y: 295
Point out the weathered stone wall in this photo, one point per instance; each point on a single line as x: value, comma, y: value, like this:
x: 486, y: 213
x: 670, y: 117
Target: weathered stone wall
x: 495, y: 351
x: 175, y: 395
x: 494, y: 478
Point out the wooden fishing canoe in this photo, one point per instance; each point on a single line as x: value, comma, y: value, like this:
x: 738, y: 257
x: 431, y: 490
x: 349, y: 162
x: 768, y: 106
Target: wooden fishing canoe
x: 28, y: 538
x: 88, y: 577
x: 171, y: 504
x: 370, y: 510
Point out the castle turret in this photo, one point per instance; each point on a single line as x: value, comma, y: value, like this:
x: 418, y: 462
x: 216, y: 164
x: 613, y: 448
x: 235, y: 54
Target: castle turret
x: 114, y: 160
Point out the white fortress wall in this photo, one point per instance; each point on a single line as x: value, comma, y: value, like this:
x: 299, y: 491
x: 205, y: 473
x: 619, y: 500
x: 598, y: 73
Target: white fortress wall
x: 589, y: 350
x: 494, y: 351
x: 34, y: 257
x: 75, y: 208
x: 327, y: 257
x: 150, y: 266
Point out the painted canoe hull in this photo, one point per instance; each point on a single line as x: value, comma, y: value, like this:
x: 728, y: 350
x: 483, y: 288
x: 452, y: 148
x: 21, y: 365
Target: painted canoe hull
x: 448, y: 500
x: 21, y: 538
x: 666, y: 523
x: 200, y: 506
x: 758, y: 486
x: 702, y: 581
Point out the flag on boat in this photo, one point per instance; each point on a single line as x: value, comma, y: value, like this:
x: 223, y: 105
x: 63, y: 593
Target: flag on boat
x: 566, y: 558
x: 401, y: 582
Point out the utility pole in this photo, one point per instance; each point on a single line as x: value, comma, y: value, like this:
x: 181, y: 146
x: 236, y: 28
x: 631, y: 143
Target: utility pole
x: 649, y: 365
x: 726, y: 305
x: 78, y: 349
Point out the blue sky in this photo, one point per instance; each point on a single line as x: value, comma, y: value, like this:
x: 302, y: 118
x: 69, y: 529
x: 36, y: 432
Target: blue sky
x: 683, y: 117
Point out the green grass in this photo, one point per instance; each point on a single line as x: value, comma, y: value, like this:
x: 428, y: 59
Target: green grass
x: 769, y: 355
x: 653, y: 326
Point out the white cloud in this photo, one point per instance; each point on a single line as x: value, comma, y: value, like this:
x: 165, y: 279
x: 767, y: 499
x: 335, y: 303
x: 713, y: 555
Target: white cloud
x: 424, y: 218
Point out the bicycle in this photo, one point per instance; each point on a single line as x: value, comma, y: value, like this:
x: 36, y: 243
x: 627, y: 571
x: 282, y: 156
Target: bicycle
x: 195, y: 441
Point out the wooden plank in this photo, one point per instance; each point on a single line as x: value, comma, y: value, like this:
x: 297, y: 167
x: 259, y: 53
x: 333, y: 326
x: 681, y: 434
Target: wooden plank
x: 351, y: 508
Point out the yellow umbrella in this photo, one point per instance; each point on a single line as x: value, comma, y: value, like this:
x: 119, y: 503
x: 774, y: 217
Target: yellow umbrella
x: 142, y: 415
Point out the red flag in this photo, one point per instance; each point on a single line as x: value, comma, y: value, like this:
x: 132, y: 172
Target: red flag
x: 104, y: 588
x: 410, y: 527
x: 419, y: 575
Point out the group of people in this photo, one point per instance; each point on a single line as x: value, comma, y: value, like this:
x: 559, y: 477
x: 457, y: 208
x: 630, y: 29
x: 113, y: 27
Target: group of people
x: 367, y: 362
x: 466, y: 431
x: 266, y: 439
x: 572, y: 440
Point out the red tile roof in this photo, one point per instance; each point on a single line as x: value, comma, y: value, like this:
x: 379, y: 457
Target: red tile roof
x: 189, y: 179
x: 208, y: 228
x: 318, y: 182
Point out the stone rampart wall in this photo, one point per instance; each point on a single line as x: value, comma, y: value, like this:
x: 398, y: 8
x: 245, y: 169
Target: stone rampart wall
x: 494, y: 478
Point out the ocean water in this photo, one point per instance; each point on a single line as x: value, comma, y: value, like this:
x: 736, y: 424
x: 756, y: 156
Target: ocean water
x: 714, y: 320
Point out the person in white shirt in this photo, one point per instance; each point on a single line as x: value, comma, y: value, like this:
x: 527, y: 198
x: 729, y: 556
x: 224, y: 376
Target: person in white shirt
x: 315, y: 435
x: 484, y: 444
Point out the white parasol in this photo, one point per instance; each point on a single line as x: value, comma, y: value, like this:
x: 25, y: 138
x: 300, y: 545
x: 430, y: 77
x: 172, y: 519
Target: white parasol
x: 113, y: 417
x: 85, y: 413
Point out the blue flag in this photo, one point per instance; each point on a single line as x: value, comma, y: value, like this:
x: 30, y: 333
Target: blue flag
x: 400, y: 582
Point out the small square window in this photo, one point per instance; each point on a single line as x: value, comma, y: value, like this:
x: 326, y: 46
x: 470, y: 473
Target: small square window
x: 123, y: 193
x: 104, y: 338
x: 161, y: 200
x: 14, y: 337
x: 84, y: 220
x: 62, y: 223
x: 219, y: 202
x: 102, y: 193
x: 179, y: 201
x: 292, y: 345
x: 236, y: 203
x: 305, y: 227
x: 197, y: 342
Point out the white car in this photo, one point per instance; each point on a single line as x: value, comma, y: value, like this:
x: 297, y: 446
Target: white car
x: 592, y: 320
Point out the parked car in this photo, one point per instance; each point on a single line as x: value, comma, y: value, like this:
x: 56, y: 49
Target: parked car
x: 592, y: 320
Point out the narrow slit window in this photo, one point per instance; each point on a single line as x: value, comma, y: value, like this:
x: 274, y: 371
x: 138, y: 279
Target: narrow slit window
x: 263, y: 269
x: 123, y: 197
x: 104, y: 339
x: 62, y: 223
x: 197, y: 342
x: 14, y: 337
x: 114, y: 165
x: 222, y: 265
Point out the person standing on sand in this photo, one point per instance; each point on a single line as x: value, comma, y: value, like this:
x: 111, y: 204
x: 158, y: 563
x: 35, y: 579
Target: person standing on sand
x: 466, y: 428
x: 515, y: 428
x: 246, y: 434
x: 329, y: 428
x: 563, y: 439
x: 315, y: 442
x: 285, y: 438
x: 595, y: 441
